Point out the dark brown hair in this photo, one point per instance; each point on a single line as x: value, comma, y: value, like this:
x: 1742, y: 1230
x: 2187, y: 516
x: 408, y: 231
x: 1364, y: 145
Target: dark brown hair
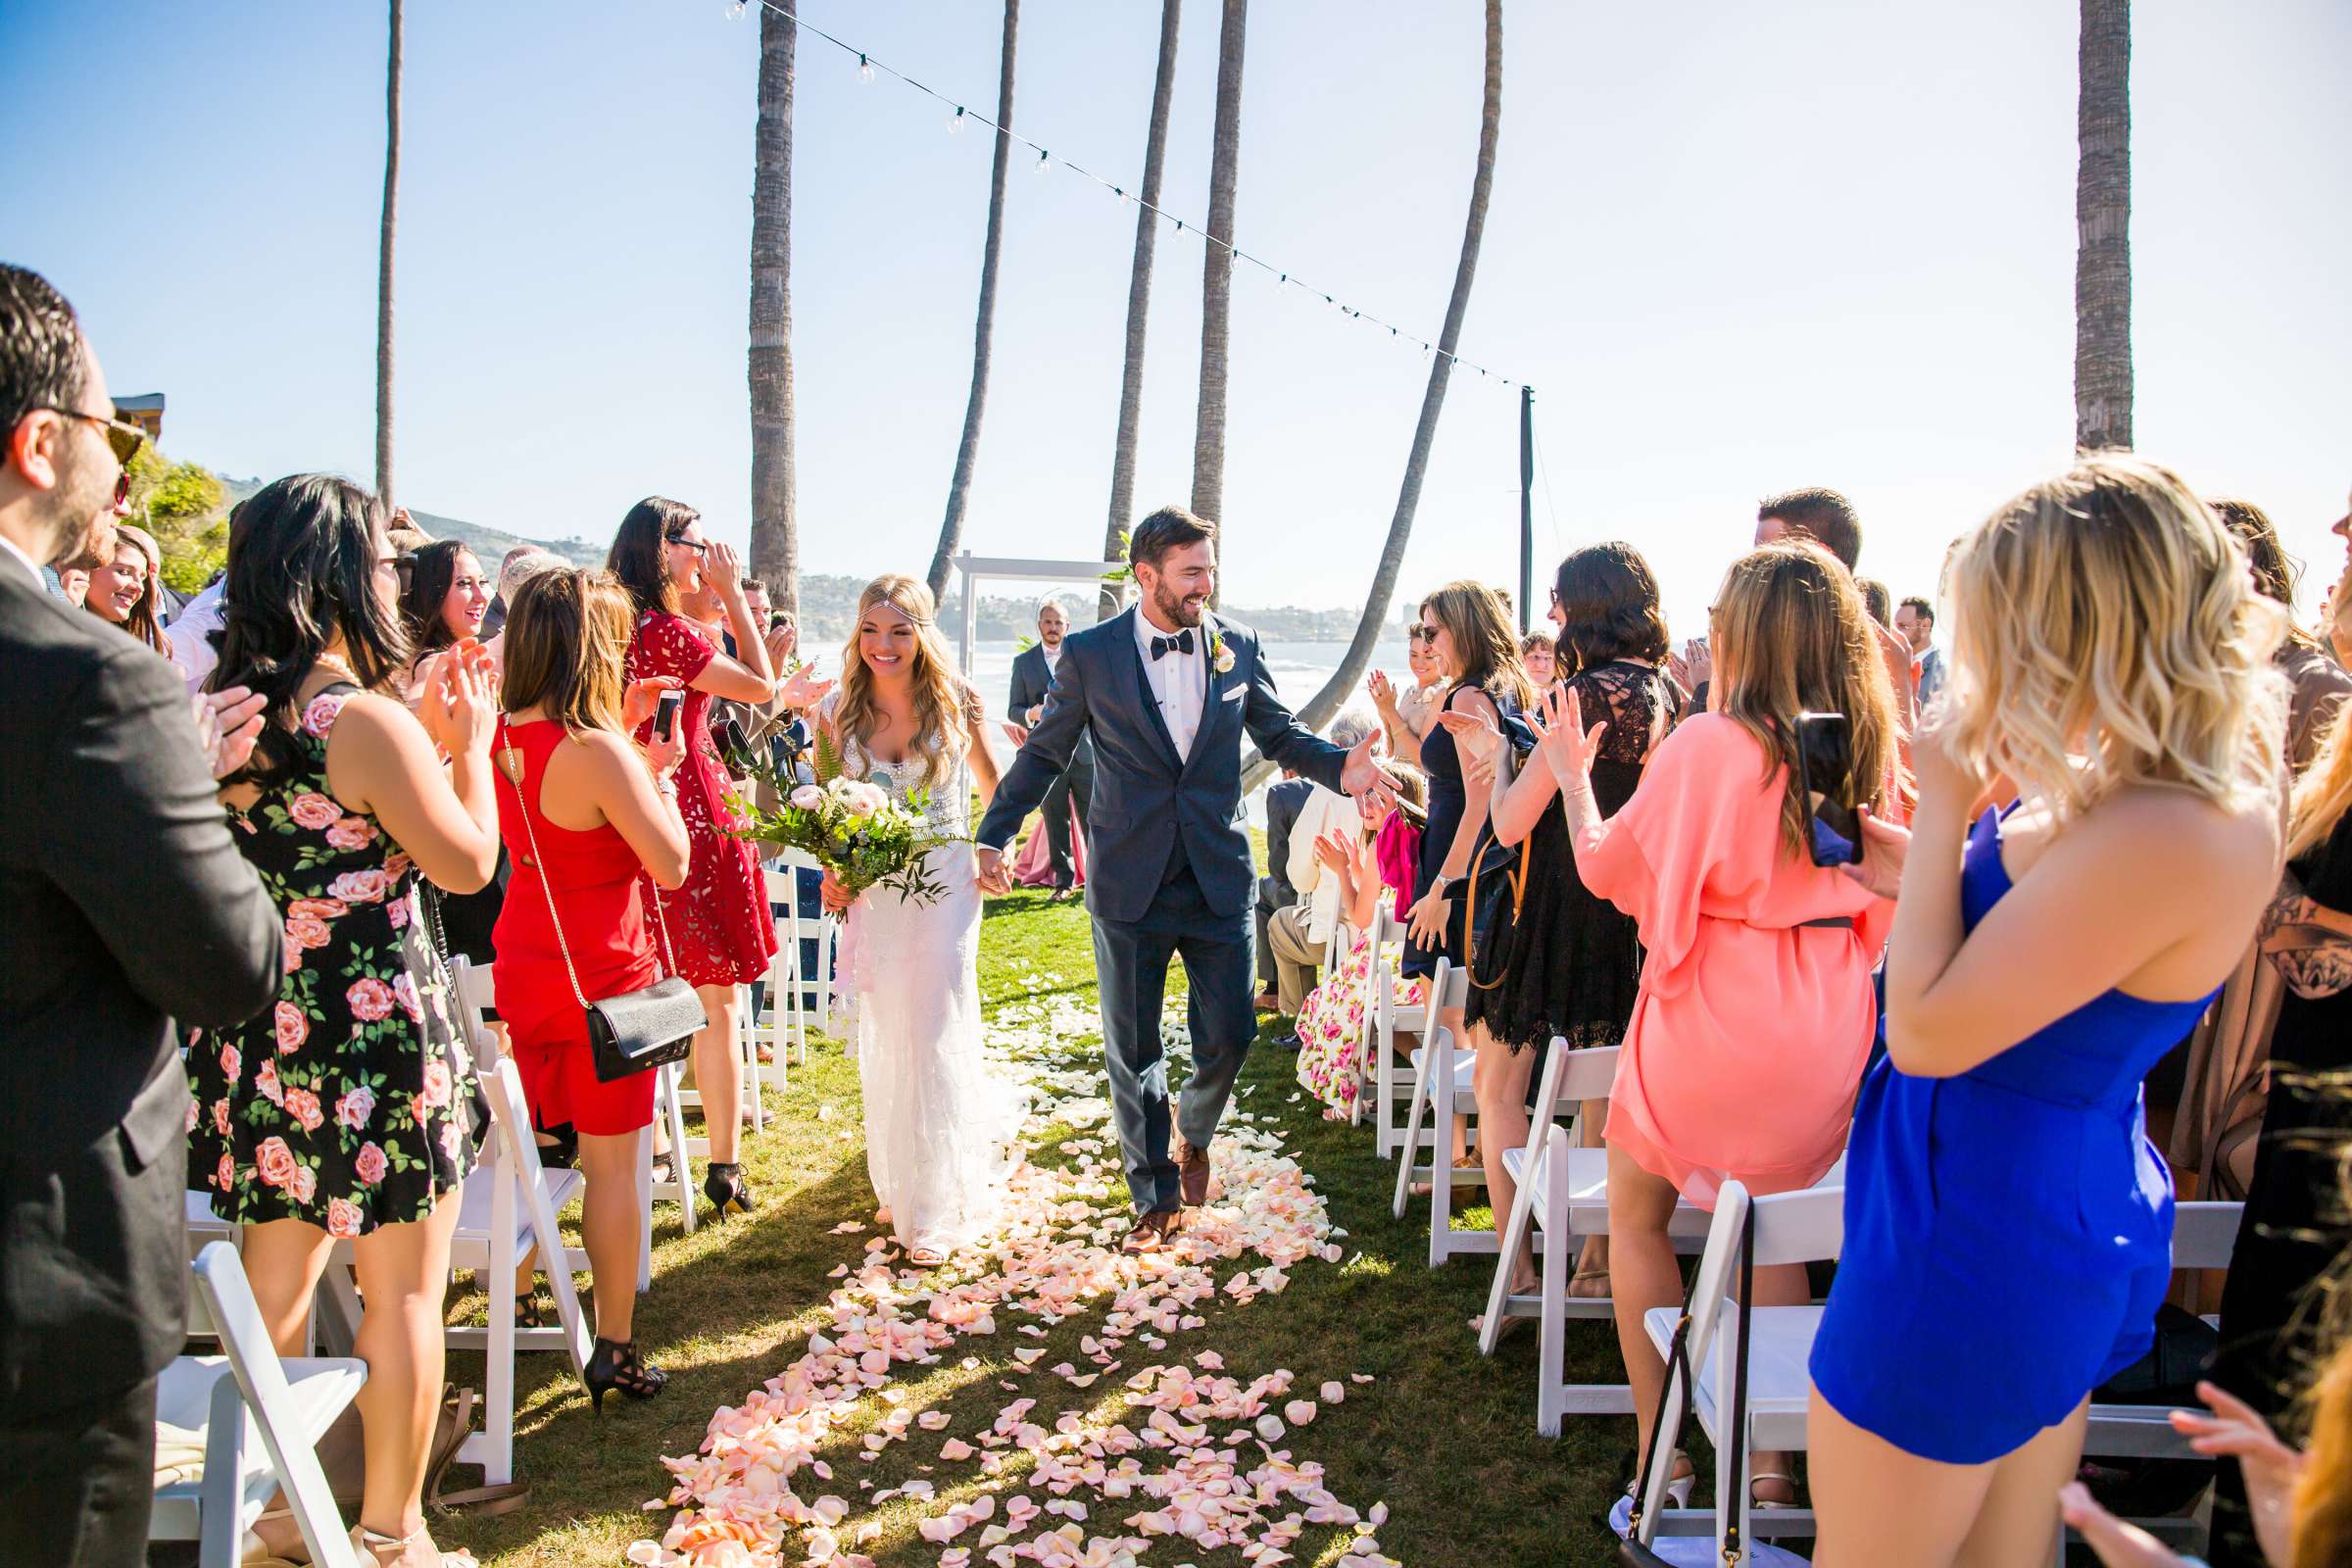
x: 567, y: 638
x: 1821, y: 513
x: 1473, y: 615
x: 432, y: 568
x: 1168, y: 528
x: 1609, y: 604
x: 638, y: 558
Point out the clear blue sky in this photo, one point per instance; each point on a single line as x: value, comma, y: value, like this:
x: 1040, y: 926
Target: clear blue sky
x: 1735, y: 247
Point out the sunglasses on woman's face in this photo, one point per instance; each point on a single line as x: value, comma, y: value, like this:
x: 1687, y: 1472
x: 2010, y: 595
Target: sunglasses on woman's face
x: 684, y: 543
x: 1419, y: 634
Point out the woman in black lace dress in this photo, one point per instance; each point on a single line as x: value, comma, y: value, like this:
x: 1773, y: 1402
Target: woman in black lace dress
x: 1558, y: 960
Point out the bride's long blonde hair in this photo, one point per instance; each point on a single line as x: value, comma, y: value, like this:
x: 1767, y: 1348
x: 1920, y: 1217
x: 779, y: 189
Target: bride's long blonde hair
x: 944, y: 701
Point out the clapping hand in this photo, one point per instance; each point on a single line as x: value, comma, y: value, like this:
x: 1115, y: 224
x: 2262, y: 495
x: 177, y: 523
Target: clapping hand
x: 1384, y: 692
x: 1473, y: 733
x: 228, y: 723
x: 460, y: 711
x: 781, y: 640
x: 1561, y: 739
x: 803, y: 690
x: 2271, y: 1468
x: 723, y: 565
x: 2117, y: 1545
x: 1333, y: 850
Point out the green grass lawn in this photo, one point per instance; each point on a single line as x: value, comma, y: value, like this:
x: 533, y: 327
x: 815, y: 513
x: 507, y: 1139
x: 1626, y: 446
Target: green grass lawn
x: 1445, y: 1438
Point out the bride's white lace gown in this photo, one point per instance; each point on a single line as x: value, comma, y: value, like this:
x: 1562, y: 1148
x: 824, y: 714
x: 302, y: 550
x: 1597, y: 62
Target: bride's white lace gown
x: 940, y: 1130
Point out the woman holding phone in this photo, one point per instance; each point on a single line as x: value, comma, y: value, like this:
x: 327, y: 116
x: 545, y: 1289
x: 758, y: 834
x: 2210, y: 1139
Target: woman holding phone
x: 718, y: 918
x: 1755, y: 1012
x: 590, y: 818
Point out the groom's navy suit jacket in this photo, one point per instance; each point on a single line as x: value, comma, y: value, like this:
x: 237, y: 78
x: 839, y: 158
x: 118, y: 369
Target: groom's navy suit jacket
x: 1144, y: 797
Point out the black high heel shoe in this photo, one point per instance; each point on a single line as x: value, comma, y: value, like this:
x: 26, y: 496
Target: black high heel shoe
x: 616, y: 1364
x: 728, y: 1192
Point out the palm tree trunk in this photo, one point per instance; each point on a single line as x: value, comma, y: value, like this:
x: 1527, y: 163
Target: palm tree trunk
x: 1326, y: 703
x: 967, y: 453
x: 2103, y: 222
x: 775, y: 535
x: 1139, y: 305
x: 383, y: 265
x: 1216, y: 270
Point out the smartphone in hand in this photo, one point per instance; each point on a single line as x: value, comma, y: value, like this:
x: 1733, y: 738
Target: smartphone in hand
x: 1825, y: 771
x: 666, y: 713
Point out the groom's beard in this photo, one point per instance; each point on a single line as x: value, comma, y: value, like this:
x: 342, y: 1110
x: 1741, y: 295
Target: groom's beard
x: 1175, y: 610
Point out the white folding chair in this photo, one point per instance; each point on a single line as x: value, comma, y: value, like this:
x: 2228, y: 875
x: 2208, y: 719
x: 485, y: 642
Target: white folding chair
x: 1388, y: 1077
x: 811, y: 994
x: 1442, y: 1089
x: 497, y: 1229
x: 248, y: 1392
x: 1803, y: 1227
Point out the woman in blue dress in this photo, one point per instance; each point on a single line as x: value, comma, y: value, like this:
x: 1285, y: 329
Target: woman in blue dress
x: 2008, y: 1226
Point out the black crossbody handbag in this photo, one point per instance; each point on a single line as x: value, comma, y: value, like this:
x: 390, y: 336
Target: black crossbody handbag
x: 1633, y: 1551
x: 649, y: 1027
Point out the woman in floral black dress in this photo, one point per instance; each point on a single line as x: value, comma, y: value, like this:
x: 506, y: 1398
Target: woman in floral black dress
x: 351, y: 1109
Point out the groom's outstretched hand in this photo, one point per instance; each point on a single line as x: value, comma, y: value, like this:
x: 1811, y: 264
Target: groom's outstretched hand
x: 1363, y: 778
x: 994, y: 879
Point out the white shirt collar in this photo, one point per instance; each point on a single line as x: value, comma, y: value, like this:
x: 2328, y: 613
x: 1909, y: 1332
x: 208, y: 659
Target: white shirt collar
x: 34, y: 567
x: 1144, y: 631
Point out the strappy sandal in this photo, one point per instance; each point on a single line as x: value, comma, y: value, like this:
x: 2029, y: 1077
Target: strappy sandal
x: 1508, y: 1327
x: 1759, y: 1477
x: 616, y: 1364
x: 255, y: 1552
x: 374, y: 1545
x: 531, y: 1311
x: 1581, y: 1276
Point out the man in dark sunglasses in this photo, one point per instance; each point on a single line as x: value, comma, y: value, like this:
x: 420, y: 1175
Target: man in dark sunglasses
x: 105, y: 943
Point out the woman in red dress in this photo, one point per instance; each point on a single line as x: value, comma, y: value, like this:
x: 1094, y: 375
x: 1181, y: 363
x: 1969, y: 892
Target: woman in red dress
x: 720, y: 922
x: 587, y: 820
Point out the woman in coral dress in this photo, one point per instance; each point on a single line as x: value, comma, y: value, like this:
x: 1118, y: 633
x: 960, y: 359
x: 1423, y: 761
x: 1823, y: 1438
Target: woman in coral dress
x: 1755, y: 1013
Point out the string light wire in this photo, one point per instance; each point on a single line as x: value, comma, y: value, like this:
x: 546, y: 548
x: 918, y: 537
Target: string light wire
x: 1284, y: 279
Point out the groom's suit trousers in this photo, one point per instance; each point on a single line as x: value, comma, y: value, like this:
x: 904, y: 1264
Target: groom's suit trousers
x: 1131, y: 962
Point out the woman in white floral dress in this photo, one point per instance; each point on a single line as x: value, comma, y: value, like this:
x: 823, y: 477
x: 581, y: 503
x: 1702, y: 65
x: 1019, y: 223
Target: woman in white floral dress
x: 1332, y: 1020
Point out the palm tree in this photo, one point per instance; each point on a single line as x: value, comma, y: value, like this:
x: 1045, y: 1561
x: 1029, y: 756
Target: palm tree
x: 1326, y: 703
x: 383, y: 265
x: 1138, y: 304
x: 1216, y: 269
x: 2103, y: 222
x: 775, y: 536
x: 967, y: 453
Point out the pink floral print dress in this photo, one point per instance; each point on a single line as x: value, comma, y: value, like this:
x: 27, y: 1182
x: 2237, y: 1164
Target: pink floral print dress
x: 352, y: 1103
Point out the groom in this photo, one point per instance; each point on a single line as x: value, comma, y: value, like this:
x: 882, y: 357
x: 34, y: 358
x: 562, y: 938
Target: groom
x: 1167, y: 690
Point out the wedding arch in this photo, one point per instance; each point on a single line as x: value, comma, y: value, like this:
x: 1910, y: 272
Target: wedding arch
x: 977, y: 569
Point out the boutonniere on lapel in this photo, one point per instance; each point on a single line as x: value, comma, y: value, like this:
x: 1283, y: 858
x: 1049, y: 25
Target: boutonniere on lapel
x: 1220, y: 655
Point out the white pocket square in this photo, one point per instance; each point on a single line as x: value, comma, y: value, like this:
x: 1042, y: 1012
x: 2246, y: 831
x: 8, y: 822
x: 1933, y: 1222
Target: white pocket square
x: 1237, y: 693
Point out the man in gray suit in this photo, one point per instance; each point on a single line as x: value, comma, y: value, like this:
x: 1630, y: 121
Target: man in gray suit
x: 128, y: 906
x: 1032, y: 678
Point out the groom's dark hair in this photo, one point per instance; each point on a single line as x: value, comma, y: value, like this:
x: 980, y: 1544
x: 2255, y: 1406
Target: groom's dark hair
x: 1168, y: 528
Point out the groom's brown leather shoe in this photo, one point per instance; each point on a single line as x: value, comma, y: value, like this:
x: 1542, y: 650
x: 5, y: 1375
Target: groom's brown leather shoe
x: 1152, y: 1230
x: 1196, y: 1183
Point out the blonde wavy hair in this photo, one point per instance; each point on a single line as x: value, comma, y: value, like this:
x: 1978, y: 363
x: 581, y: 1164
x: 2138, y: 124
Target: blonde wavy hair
x: 944, y: 702
x: 2325, y: 791
x: 1792, y: 637
x: 2107, y: 633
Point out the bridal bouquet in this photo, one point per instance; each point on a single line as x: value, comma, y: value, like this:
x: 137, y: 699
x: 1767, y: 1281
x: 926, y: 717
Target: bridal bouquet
x: 859, y: 833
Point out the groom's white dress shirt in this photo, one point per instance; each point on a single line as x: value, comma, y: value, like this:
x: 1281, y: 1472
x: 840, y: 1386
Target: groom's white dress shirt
x: 1179, y: 682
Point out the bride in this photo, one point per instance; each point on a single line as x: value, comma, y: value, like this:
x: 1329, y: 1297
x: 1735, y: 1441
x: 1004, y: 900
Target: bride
x: 939, y: 1128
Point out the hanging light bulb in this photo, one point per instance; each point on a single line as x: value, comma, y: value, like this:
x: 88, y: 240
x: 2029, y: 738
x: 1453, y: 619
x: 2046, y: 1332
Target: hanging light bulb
x: 735, y: 10
x: 865, y: 71
x: 1045, y: 161
x: 955, y: 122
x: 1283, y: 283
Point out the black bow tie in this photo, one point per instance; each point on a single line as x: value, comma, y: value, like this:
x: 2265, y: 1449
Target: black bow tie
x: 1181, y: 643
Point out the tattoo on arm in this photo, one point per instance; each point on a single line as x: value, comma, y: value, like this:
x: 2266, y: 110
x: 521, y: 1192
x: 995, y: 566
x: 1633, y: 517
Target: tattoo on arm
x: 2314, y: 958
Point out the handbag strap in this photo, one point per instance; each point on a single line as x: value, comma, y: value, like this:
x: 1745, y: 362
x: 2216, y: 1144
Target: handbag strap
x: 1735, y: 1454
x: 505, y: 746
x: 1678, y: 1375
